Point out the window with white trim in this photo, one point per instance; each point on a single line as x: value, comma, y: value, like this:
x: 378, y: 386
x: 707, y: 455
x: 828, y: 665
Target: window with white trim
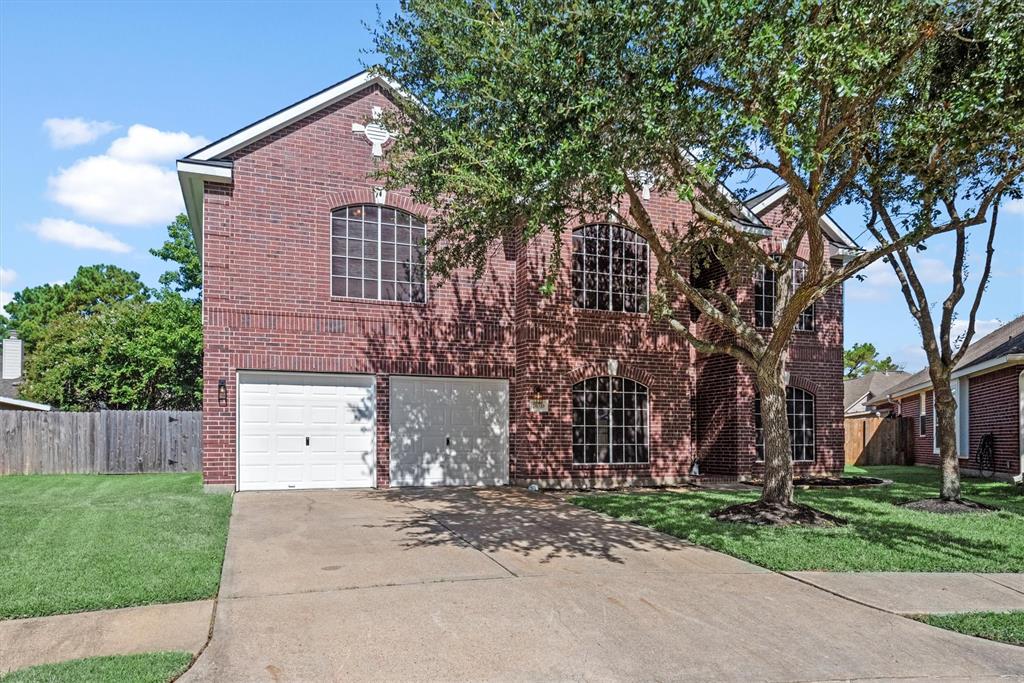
x: 377, y: 252
x: 800, y: 415
x: 922, y: 415
x: 764, y: 297
x: 609, y: 421
x: 609, y: 269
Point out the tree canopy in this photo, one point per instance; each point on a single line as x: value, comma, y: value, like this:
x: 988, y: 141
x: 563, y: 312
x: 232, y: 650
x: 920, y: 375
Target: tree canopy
x: 33, y: 309
x: 862, y: 359
x: 105, y: 339
x: 526, y: 117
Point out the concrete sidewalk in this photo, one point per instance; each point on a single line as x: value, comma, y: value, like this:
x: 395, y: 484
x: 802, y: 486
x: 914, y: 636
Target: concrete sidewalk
x: 182, y: 626
x: 923, y: 593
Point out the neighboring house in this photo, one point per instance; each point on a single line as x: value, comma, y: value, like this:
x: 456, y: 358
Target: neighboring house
x: 874, y: 435
x: 10, y: 377
x: 331, y: 361
x: 989, y: 387
x: 859, y: 391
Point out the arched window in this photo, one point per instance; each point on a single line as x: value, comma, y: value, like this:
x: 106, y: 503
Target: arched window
x: 609, y: 269
x: 800, y: 414
x: 377, y: 253
x: 609, y: 421
x: 764, y: 297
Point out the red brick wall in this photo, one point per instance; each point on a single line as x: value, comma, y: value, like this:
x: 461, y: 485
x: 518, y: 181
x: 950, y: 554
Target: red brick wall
x: 815, y: 364
x: 558, y: 345
x: 994, y: 405
x: 268, y: 306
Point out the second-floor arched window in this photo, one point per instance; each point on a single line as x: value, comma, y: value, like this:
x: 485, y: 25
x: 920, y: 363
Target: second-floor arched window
x: 377, y: 253
x: 609, y: 269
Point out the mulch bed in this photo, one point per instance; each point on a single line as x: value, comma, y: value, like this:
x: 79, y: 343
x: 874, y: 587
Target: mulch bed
x: 948, y: 507
x: 771, y: 514
x: 832, y: 482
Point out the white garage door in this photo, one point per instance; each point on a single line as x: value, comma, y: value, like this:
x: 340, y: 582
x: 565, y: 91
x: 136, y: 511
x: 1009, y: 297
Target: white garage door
x: 449, y: 432
x: 299, y: 431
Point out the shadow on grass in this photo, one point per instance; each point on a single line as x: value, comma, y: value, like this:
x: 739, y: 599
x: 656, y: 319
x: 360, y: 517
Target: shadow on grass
x: 880, y: 535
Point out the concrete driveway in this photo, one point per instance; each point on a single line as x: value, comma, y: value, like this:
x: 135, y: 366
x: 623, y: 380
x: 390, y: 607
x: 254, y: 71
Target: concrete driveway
x: 486, y: 584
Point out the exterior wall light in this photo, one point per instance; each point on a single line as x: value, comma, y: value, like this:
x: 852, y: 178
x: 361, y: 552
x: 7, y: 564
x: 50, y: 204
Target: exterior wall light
x: 222, y: 392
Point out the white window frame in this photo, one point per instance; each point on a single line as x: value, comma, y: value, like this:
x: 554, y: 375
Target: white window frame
x: 958, y: 388
x: 380, y: 247
x: 922, y: 412
x: 963, y: 417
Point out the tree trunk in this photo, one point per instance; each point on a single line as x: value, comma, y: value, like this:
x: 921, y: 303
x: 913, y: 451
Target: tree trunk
x: 945, y: 430
x: 778, y: 465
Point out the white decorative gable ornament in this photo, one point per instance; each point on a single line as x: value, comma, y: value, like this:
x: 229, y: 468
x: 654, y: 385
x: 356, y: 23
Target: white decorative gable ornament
x: 376, y: 133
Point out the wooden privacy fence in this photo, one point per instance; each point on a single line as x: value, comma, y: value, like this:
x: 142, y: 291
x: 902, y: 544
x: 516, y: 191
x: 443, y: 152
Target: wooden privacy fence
x: 878, y: 440
x: 108, y: 442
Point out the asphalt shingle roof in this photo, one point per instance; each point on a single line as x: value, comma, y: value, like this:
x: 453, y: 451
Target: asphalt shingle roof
x: 1000, y: 342
x: 875, y: 383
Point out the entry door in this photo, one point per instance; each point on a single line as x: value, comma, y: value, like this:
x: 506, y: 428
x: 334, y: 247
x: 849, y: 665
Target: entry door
x: 449, y: 432
x: 303, y: 431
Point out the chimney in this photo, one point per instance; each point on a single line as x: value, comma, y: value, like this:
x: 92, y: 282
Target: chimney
x: 12, y: 357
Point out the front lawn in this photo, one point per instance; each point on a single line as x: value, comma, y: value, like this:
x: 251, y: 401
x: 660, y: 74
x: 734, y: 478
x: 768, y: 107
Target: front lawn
x: 1006, y: 627
x: 71, y: 543
x: 879, y: 536
x: 152, y: 667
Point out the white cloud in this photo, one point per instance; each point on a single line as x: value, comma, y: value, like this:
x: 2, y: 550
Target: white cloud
x: 7, y: 277
x: 911, y: 357
x: 77, y: 131
x: 981, y: 328
x: 143, y: 143
x: 129, y: 185
x: 78, y: 236
x: 881, y: 283
x: 1015, y: 207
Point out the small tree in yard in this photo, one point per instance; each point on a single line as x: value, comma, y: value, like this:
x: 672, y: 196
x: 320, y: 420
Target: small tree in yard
x: 531, y: 116
x: 954, y: 155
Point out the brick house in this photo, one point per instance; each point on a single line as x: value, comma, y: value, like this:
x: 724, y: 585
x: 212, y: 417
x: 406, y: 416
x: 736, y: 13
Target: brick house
x: 331, y: 361
x: 988, y: 384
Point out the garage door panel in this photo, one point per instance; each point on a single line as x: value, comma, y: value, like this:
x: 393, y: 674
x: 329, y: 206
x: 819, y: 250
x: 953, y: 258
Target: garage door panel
x: 448, y: 431
x: 278, y: 412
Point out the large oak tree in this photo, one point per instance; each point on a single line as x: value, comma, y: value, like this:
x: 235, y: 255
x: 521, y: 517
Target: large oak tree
x: 529, y: 116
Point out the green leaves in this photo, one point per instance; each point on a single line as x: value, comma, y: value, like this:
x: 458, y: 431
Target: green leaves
x: 862, y: 359
x: 105, y: 339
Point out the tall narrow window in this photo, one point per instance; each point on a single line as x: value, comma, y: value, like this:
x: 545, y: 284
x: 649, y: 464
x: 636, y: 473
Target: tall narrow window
x: 609, y: 269
x: 765, y: 290
x: 609, y: 421
x: 800, y: 415
x: 377, y: 252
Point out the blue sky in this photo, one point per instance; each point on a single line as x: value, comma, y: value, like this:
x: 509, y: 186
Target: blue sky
x: 97, y: 99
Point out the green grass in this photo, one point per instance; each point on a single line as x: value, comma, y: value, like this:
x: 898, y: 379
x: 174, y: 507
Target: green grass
x: 152, y: 667
x: 72, y: 543
x: 879, y: 536
x: 1006, y: 627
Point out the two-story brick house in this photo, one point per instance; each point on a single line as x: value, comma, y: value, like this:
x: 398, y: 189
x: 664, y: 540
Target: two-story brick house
x: 332, y: 361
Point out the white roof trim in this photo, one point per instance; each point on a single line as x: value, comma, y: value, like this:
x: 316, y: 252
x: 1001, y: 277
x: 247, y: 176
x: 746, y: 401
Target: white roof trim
x: 830, y: 227
x: 769, y: 200
x: 289, y: 115
x: 27, y: 405
x: 191, y: 176
x: 969, y: 371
